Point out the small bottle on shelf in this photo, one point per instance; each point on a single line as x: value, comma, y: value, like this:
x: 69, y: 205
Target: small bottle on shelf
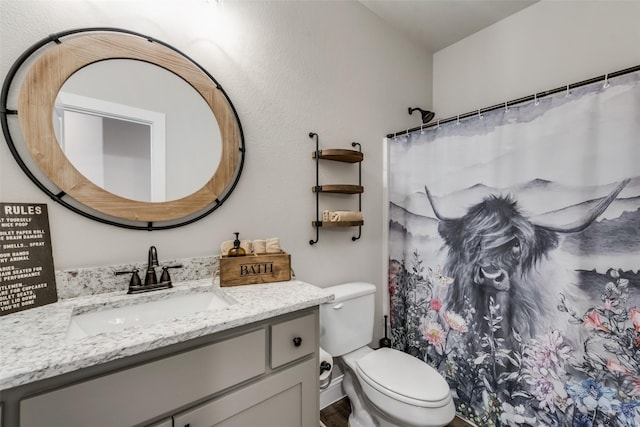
x: 236, y: 250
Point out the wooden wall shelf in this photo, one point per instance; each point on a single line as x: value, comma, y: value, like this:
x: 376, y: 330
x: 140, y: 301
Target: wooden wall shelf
x: 339, y: 188
x: 330, y: 224
x: 339, y: 155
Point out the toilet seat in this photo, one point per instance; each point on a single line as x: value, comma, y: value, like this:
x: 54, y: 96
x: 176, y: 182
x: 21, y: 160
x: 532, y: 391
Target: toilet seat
x: 404, y: 378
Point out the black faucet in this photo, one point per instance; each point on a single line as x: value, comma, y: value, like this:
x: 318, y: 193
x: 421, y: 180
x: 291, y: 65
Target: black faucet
x: 150, y: 278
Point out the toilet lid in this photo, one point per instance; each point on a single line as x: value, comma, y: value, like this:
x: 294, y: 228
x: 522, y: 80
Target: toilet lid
x: 403, y: 377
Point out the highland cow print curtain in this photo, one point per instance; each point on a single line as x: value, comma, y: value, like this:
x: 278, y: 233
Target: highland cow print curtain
x: 514, y: 243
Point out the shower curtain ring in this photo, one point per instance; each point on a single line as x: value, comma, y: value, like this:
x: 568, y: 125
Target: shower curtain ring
x: 606, y: 81
x: 438, y: 126
x: 458, y: 120
x: 506, y: 106
x: 535, y: 99
x: 568, y: 94
x: 422, y: 129
x: 480, y: 116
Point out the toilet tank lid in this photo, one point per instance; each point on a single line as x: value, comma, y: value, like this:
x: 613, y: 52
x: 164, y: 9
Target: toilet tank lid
x: 351, y: 290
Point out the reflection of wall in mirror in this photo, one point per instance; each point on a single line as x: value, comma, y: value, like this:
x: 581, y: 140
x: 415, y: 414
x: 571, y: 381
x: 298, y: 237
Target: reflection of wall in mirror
x: 119, y: 148
x: 127, y: 159
x: 192, y: 134
x: 83, y: 145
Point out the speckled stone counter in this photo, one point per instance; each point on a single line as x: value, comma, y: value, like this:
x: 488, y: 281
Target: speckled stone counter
x: 34, y: 343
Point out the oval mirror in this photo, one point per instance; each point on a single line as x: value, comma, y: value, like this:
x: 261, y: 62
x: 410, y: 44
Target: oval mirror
x: 137, y: 133
x: 125, y: 129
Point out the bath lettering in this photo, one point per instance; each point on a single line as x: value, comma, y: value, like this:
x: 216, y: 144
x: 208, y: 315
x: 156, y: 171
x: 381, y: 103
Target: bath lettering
x: 256, y: 269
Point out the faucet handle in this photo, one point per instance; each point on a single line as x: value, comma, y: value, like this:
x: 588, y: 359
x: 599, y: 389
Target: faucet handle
x: 135, y: 278
x: 164, y: 277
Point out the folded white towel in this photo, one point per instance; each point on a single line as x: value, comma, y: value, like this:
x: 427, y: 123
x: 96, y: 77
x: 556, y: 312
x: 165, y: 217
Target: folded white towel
x: 259, y: 246
x: 339, y: 216
x: 273, y: 245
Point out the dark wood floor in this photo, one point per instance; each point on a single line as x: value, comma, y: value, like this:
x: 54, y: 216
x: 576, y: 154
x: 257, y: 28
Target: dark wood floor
x: 337, y: 415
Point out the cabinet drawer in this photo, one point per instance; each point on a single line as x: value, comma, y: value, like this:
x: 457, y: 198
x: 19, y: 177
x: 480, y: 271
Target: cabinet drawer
x: 131, y: 396
x: 293, y: 339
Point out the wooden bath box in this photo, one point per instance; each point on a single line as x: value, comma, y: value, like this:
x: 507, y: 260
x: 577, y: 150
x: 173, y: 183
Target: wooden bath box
x: 255, y: 268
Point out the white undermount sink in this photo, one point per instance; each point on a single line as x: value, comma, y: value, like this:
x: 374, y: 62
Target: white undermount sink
x: 118, y: 318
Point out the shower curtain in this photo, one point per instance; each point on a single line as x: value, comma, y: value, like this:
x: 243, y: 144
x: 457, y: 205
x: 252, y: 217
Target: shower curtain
x: 514, y: 257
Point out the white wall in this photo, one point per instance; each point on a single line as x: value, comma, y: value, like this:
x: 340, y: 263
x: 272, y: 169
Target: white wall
x: 547, y: 45
x: 290, y: 68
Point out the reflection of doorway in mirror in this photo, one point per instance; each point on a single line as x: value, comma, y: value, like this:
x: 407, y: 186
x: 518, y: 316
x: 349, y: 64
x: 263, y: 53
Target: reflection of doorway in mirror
x: 119, y: 148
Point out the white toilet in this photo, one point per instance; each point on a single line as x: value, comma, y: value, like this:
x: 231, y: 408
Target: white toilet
x: 386, y: 387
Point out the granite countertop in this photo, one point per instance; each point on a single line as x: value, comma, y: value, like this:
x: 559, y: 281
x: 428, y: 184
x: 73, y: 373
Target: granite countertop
x: 35, y: 345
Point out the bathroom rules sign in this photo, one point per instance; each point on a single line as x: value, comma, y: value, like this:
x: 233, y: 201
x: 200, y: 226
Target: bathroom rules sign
x: 27, y: 277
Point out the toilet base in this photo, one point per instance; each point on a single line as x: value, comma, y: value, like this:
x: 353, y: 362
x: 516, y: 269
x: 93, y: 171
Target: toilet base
x: 363, y: 412
x: 359, y: 416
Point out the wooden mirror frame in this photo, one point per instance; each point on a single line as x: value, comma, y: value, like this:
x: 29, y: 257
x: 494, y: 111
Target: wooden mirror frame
x: 74, y: 50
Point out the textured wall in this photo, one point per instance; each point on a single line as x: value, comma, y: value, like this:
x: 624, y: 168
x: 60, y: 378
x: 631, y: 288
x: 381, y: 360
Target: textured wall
x: 547, y: 45
x: 289, y: 68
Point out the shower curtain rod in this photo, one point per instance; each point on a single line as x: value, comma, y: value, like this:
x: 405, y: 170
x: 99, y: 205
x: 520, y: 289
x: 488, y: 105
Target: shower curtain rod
x: 518, y: 101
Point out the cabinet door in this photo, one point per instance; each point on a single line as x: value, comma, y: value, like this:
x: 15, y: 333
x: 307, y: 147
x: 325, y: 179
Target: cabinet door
x: 286, y: 399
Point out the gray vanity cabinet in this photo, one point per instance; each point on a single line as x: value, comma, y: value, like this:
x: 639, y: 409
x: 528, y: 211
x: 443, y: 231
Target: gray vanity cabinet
x: 262, y: 374
x: 132, y: 396
x: 285, y: 399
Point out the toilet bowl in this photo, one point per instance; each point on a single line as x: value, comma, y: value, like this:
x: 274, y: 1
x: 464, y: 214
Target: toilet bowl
x: 386, y: 387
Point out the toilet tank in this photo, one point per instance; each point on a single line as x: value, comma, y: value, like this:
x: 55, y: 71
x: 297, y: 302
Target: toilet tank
x: 346, y: 323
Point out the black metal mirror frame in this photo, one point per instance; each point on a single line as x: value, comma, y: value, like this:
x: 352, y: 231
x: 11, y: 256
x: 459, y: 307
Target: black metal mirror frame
x: 77, y: 207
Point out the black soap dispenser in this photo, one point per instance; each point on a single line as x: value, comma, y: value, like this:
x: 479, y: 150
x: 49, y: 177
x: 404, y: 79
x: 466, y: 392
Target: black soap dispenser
x: 236, y: 250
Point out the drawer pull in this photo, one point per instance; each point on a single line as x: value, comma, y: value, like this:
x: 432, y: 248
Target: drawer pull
x: 337, y: 306
x: 297, y: 341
